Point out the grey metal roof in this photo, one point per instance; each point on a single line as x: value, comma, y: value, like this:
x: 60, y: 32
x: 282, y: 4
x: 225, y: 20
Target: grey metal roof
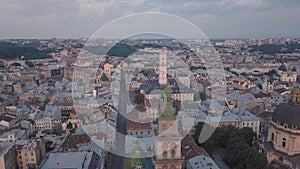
x: 288, y: 114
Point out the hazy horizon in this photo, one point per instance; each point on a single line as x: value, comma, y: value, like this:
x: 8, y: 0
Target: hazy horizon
x: 225, y: 19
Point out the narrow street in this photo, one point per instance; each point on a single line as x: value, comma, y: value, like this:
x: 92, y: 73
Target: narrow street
x: 114, y: 160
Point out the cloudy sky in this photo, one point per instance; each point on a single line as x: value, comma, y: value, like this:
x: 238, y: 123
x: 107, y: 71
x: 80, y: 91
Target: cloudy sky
x: 216, y: 18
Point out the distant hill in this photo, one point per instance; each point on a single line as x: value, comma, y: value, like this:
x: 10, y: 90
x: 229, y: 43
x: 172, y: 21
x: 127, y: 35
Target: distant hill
x: 273, y: 49
x: 11, y: 51
x: 122, y: 49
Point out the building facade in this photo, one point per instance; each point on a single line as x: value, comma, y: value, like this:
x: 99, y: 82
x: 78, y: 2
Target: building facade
x: 31, y: 154
x: 282, y: 145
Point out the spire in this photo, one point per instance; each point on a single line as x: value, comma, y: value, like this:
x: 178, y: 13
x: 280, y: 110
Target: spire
x: 169, y: 111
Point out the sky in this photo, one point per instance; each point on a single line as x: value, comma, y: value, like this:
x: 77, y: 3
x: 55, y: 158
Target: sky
x: 216, y: 18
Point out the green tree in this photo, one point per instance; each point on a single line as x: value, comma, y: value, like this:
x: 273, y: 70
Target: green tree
x: 197, y: 96
x: 69, y: 125
x: 139, y: 98
x: 237, y: 151
x: 16, y: 64
x: 29, y: 63
x: 255, y: 159
x: 237, y: 143
x: 202, y: 95
x: 72, y: 131
x: 248, y: 135
x: 209, y: 145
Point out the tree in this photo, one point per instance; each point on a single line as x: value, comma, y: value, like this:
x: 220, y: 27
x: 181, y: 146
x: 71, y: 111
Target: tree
x: 209, y: 145
x: 72, y: 131
x: 255, y: 160
x: 237, y: 151
x: 259, y: 86
x: 271, y: 73
x: 69, y: 125
x: 29, y: 63
x: 197, y: 96
x: 237, y: 143
x: 139, y: 98
x: 16, y: 64
x: 202, y: 95
x: 248, y: 135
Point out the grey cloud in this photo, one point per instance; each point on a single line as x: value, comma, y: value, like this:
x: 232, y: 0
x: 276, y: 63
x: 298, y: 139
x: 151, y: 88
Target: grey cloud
x: 75, y: 18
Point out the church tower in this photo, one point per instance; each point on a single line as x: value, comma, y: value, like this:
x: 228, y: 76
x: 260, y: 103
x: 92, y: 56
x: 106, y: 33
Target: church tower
x: 294, y: 74
x: 168, y: 142
x: 163, y: 68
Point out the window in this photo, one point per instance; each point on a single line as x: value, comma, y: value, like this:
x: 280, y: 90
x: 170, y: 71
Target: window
x: 283, y: 142
x: 272, y: 136
x: 165, y: 154
x: 173, y: 153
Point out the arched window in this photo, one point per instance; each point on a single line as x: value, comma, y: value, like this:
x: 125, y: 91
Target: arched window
x: 173, y: 153
x: 165, y: 167
x: 173, y: 166
x: 165, y: 154
x: 272, y: 136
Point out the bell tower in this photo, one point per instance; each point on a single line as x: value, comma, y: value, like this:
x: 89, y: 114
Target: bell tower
x: 163, y: 68
x: 168, y: 142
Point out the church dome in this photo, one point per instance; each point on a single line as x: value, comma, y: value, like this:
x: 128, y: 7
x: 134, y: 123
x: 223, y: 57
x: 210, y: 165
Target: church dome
x: 289, y: 113
x: 283, y: 68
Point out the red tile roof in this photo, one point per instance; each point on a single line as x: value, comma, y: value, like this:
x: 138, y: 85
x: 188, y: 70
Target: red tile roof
x: 190, y: 149
x: 261, y: 95
x: 131, y: 125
